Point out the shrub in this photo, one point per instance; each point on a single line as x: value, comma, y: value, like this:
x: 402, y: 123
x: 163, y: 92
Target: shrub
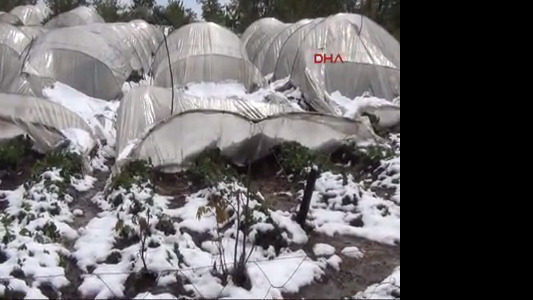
x: 209, y: 168
x: 13, y: 151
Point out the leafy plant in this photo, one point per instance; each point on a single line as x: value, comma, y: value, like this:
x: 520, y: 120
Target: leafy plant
x: 13, y: 151
x: 135, y: 172
x: 209, y: 168
x: 295, y: 159
x: 70, y: 164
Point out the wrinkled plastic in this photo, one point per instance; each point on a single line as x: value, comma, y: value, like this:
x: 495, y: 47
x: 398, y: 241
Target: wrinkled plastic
x: 41, y: 119
x: 30, y: 15
x: 270, y: 52
x: 81, y: 15
x: 259, y: 34
x: 144, y: 107
x: 204, y: 52
x: 97, y: 68
x: 173, y: 143
x: 12, y: 44
x: 8, y: 18
x: 371, y: 59
x: 33, y: 32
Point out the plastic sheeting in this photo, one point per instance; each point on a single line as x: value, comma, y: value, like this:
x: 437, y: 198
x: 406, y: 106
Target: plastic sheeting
x: 144, y: 107
x: 31, y: 15
x: 9, y: 19
x: 136, y: 40
x: 259, y: 34
x: 204, y: 52
x: 33, y: 32
x: 371, y: 61
x: 79, y: 16
x: 270, y: 52
x: 173, y: 143
x: 41, y: 119
x: 12, y: 44
x: 371, y: 57
x: 97, y: 68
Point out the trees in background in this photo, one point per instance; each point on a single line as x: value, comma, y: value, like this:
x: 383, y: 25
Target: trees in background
x: 7, y: 5
x: 61, y: 6
x: 110, y: 10
x: 213, y: 11
x: 237, y: 14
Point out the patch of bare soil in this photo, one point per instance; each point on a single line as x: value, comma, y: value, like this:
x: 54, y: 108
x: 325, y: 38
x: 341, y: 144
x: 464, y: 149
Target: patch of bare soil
x: 378, y: 262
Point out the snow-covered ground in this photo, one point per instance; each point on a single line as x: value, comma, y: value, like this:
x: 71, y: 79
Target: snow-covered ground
x: 42, y: 241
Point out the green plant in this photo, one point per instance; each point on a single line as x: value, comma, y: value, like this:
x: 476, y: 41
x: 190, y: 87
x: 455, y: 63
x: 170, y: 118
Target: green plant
x: 13, y: 151
x: 295, y: 159
x: 50, y: 230
x: 135, y: 172
x: 70, y: 164
x: 209, y: 168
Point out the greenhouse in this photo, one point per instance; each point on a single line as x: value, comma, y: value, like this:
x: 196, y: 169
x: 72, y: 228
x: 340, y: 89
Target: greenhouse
x: 79, y: 16
x: 13, y: 42
x: 31, y: 15
x: 369, y: 58
x: 44, y: 121
x: 204, y: 52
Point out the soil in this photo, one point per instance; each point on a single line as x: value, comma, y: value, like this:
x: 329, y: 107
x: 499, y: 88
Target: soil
x: 378, y: 262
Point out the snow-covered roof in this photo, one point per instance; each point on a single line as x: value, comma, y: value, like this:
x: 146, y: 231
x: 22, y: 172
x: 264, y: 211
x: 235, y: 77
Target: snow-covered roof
x: 371, y: 57
x: 81, y: 15
x: 43, y: 120
x: 144, y: 107
x: 31, y: 15
x: 204, y: 52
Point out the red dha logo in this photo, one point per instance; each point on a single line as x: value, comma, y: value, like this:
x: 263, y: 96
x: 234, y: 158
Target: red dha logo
x: 324, y: 58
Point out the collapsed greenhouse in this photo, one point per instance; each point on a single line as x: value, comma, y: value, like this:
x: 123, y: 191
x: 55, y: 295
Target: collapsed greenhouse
x: 45, y: 122
x: 186, y: 131
x: 369, y: 57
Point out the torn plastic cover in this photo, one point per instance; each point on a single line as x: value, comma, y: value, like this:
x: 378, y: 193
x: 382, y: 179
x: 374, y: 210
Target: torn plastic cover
x: 143, y: 107
x: 31, y: 15
x: 98, y: 69
x: 81, y: 15
x: 204, y: 52
x: 12, y: 44
x: 171, y: 144
x: 41, y: 119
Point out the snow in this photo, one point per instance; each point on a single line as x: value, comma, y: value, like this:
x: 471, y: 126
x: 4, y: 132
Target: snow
x: 148, y: 295
x: 78, y: 212
x: 352, y: 252
x: 84, y: 184
x: 99, y: 114
x: 283, y: 220
x: 81, y: 141
x: 389, y: 288
x: 321, y: 249
x: 335, y: 262
x: 96, y: 241
x: 381, y: 217
x: 387, y: 112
